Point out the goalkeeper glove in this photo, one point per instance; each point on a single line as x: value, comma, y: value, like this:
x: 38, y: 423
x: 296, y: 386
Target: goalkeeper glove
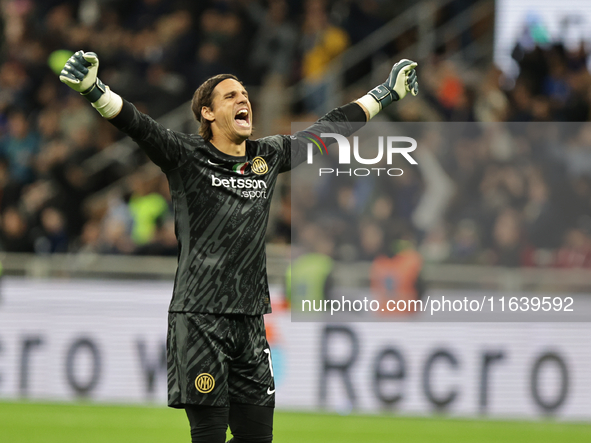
x: 402, y: 79
x: 80, y: 74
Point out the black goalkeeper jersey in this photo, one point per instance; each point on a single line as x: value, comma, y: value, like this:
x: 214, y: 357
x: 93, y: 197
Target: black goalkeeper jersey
x: 221, y: 207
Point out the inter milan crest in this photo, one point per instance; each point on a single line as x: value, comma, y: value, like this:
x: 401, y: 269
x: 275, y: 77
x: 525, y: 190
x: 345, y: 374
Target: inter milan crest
x: 259, y: 166
x: 204, y: 383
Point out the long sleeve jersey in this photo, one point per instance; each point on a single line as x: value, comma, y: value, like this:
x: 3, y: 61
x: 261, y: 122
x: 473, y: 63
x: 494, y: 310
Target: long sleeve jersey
x: 221, y: 207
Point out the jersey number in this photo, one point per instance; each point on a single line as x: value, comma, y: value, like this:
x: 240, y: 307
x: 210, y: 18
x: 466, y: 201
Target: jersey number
x: 268, y: 352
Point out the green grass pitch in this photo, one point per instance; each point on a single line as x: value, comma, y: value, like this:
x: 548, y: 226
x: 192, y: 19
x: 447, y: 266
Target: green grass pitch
x: 80, y: 423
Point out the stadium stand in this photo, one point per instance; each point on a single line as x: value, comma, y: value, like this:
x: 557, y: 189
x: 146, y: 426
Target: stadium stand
x: 528, y: 207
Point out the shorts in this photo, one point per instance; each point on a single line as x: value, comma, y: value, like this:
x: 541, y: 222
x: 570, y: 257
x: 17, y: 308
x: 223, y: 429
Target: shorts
x: 218, y: 359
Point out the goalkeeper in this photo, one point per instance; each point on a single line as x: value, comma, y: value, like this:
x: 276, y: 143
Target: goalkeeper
x: 221, y: 182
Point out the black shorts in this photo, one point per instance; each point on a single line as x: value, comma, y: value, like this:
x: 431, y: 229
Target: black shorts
x: 217, y: 359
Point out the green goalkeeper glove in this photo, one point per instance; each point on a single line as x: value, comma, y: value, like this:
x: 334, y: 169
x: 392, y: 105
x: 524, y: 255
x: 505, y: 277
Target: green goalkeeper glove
x: 80, y: 74
x: 402, y: 79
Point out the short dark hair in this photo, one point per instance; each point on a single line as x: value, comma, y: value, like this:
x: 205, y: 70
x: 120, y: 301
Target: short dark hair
x: 204, y: 97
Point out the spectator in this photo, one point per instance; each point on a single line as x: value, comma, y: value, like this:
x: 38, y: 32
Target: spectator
x: 14, y: 234
x: 89, y: 241
x: 9, y: 190
x: 145, y: 207
x: 274, y: 42
x: 114, y: 238
x: 465, y: 245
x: 321, y: 43
x: 54, y: 237
x: 507, y: 239
x: 575, y: 251
x: 20, y: 147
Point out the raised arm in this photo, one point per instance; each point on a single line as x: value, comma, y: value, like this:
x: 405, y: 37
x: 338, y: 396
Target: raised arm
x: 161, y: 145
x: 347, y: 119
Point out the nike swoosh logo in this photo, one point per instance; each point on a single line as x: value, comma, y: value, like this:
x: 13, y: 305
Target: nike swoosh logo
x: 212, y: 163
x: 269, y: 392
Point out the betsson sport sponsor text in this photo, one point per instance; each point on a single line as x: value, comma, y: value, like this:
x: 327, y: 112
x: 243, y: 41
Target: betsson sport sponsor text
x: 253, y: 188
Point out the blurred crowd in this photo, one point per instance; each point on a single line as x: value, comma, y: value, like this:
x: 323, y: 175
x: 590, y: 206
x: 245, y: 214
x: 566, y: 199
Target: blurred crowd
x: 506, y: 194
x: 513, y: 204
x: 155, y: 53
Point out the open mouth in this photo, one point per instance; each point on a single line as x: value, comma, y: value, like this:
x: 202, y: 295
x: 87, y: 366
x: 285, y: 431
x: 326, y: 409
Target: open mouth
x: 242, y: 118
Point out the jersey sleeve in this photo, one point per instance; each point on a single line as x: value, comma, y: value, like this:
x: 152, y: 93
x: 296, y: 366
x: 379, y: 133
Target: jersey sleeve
x: 344, y: 120
x: 163, y: 146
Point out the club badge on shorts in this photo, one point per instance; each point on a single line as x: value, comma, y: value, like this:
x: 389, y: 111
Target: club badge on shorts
x: 205, y: 383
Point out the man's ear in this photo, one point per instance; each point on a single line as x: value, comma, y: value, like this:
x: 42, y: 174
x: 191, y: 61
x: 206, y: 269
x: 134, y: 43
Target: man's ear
x: 207, y: 113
